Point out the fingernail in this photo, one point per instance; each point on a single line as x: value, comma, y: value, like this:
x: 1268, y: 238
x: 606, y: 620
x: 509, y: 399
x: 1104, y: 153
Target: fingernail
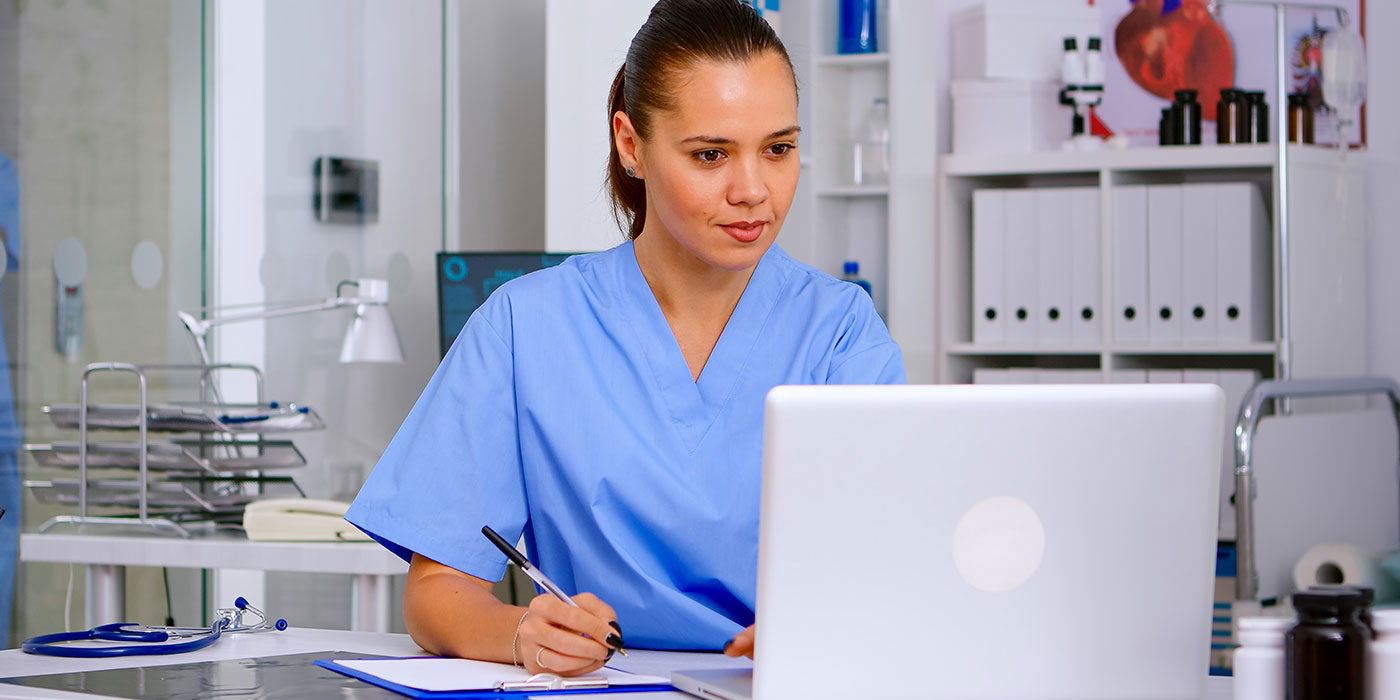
x: 614, y: 641
x: 728, y: 644
x: 616, y: 626
x: 609, y: 656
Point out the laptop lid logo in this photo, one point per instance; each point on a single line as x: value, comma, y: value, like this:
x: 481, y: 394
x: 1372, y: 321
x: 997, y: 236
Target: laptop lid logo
x: 998, y: 544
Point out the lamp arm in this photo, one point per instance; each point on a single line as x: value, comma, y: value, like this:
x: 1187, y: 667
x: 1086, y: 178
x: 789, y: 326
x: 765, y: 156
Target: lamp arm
x: 199, y: 327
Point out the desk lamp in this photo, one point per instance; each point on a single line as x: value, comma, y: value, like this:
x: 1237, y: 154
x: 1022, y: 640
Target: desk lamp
x: 371, y: 336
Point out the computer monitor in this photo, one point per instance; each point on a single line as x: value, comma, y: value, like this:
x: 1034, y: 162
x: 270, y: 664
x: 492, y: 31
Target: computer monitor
x: 465, y: 279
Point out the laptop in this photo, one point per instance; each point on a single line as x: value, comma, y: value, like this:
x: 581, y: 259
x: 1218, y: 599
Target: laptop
x: 984, y: 542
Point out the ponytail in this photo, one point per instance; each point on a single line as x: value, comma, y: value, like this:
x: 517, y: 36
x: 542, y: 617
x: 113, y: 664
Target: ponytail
x: 629, y: 194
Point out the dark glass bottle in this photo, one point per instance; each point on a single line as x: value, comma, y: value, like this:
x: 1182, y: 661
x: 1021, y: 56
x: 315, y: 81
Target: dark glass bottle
x: 1258, y: 123
x: 1326, y: 652
x: 1227, y: 115
x: 1368, y: 601
x: 1188, y: 119
x: 1166, y: 128
x: 1300, y: 119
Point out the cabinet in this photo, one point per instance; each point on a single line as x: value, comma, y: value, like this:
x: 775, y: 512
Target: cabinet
x: 886, y: 228
x: 1321, y: 300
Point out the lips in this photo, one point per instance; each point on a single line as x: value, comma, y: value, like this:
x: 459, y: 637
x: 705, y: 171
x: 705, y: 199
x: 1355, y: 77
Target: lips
x: 744, y: 231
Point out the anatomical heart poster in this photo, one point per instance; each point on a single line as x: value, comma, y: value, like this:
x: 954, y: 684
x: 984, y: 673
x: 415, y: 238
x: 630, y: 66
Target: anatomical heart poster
x: 1156, y: 47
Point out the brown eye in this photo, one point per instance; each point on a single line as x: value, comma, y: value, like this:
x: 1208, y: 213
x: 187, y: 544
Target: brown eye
x: 781, y: 149
x: 709, y: 156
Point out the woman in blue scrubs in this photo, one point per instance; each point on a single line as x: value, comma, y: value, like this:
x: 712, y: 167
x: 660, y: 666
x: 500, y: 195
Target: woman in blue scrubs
x: 610, y: 409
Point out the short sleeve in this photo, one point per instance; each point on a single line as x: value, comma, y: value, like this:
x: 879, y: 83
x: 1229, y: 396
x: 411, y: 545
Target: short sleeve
x: 454, y: 464
x: 865, y: 353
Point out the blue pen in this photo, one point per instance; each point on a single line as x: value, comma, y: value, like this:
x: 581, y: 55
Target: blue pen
x: 538, y: 577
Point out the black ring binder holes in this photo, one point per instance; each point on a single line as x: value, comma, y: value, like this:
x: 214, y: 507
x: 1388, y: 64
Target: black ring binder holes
x: 1198, y: 312
x: 1166, y: 313
x: 1233, y: 312
x: 991, y: 314
x: 1087, y: 314
x: 1021, y: 314
x: 1130, y: 313
x: 1054, y: 314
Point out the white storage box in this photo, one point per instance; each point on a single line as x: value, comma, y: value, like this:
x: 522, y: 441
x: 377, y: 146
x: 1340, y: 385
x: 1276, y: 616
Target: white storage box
x: 1009, y: 116
x: 1019, y: 39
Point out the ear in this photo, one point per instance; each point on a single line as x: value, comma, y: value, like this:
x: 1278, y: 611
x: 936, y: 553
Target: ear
x: 629, y: 144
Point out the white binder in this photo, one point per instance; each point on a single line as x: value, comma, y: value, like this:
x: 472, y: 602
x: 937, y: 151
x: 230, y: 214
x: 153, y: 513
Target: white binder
x: 1020, y: 290
x: 1164, y: 376
x: 1129, y: 376
x: 1054, y: 260
x: 1164, y: 264
x: 1129, y: 235
x: 1236, y: 383
x: 1198, y: 264
x: 1087, y: 269
x: 988, y: 266
x: 1244, y: 272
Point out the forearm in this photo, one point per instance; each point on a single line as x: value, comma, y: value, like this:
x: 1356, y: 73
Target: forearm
x: 449, y: 614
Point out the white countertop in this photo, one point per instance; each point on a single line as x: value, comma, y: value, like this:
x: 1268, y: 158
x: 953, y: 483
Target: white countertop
x: 218, y: 551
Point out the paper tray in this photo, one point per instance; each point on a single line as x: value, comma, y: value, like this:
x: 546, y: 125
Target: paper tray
x: 196, y: 455
x: 224, y: 418
x: 126, y: 493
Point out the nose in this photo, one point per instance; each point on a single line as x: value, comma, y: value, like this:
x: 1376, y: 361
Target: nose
x: 747, y: 186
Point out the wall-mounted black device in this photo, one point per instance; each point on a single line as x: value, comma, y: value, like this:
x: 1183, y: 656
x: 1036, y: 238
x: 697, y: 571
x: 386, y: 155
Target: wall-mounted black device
x: 346, y: 190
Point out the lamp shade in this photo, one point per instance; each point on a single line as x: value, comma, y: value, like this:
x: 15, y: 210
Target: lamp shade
x: 371, y: 336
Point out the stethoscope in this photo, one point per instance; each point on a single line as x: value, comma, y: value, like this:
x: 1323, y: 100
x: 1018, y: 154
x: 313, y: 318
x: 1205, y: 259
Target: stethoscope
x: 147, y: 639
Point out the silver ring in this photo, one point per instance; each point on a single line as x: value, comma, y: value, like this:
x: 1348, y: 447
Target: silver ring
x: 537, y: 659
x: 631, y: 172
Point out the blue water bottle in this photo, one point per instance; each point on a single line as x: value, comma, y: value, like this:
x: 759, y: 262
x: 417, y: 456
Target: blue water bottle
x: 851, y: 273
x: 857, y: 27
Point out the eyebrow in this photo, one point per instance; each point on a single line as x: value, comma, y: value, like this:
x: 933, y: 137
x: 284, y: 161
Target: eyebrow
x: 721, y: 141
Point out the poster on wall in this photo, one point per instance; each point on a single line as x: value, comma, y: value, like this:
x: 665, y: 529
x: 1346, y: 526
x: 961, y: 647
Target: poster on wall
x: 1162, y: 46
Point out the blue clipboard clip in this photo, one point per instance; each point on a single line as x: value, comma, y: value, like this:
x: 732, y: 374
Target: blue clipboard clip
x: 549, y: 681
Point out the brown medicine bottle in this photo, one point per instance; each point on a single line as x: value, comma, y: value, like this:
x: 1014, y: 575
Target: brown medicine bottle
x: 1326, y: 652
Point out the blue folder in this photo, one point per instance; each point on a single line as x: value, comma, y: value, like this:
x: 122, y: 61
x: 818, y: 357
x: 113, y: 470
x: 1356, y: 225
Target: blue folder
x: 456, y: 694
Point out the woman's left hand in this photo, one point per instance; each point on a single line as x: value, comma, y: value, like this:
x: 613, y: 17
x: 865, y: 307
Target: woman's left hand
x: 741, y: 644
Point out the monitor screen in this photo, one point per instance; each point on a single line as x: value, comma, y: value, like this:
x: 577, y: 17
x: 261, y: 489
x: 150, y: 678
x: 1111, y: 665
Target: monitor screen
x: 464, y: 280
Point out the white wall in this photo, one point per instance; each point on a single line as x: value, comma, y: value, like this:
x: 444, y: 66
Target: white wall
x: 586, y: 41
x: 1383, y: 108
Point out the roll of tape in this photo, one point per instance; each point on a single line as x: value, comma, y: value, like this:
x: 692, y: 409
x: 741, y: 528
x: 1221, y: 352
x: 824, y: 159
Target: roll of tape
x: 1334, y: 564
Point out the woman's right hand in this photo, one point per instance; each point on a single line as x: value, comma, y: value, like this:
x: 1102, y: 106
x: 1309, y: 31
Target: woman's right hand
x: 558, y: 638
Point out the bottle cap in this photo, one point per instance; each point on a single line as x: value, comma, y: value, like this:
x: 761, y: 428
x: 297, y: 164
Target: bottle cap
x: 1254, y: 96
x: 1298, y: 99
x: 851, y: 267
x: 1185, y: 95
x: 1332, y: 602
x: 1071, y: 44
x: 1368, y: 595
x: 1095, y: 43
x: 1229, y: 94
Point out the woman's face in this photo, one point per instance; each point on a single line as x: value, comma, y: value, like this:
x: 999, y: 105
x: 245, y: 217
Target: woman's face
x: 721, y: 168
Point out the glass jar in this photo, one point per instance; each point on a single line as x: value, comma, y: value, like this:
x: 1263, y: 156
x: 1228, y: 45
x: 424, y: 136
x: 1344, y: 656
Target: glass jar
x: 1326, y: 652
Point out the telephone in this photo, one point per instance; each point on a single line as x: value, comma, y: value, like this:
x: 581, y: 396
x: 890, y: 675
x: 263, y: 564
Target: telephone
x: 300, y: 520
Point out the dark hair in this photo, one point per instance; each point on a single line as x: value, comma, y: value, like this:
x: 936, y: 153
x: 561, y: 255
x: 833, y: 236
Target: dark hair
x: 677, y: 34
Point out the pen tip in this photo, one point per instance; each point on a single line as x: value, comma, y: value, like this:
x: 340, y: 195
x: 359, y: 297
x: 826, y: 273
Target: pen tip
x: 622, y: 651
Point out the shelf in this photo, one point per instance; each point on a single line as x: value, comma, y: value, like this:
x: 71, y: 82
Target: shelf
x: 971, y: 350
x: 853, y: 61
x: 854, y: 191
x: 1156, y: 158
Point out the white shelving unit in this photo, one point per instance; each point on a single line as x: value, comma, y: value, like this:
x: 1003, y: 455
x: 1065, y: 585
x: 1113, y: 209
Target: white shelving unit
x: 889, y: 228
x: 1325, y: 288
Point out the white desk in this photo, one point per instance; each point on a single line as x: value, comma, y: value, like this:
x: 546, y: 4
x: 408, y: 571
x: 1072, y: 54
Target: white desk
x: 239, y: 566
x: 15, y: 663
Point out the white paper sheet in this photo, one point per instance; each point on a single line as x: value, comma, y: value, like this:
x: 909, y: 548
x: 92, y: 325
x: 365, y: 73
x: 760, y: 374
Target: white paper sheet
x: 443, y: 674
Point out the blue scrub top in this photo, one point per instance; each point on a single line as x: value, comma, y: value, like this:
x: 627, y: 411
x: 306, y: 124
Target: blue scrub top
x: 565, y: 411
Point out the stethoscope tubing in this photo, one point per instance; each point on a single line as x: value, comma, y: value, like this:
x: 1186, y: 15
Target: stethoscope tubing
x: 147, y: 643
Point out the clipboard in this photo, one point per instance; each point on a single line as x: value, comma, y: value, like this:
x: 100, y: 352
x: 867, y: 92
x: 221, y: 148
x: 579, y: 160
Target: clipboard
x: 508, y: 688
